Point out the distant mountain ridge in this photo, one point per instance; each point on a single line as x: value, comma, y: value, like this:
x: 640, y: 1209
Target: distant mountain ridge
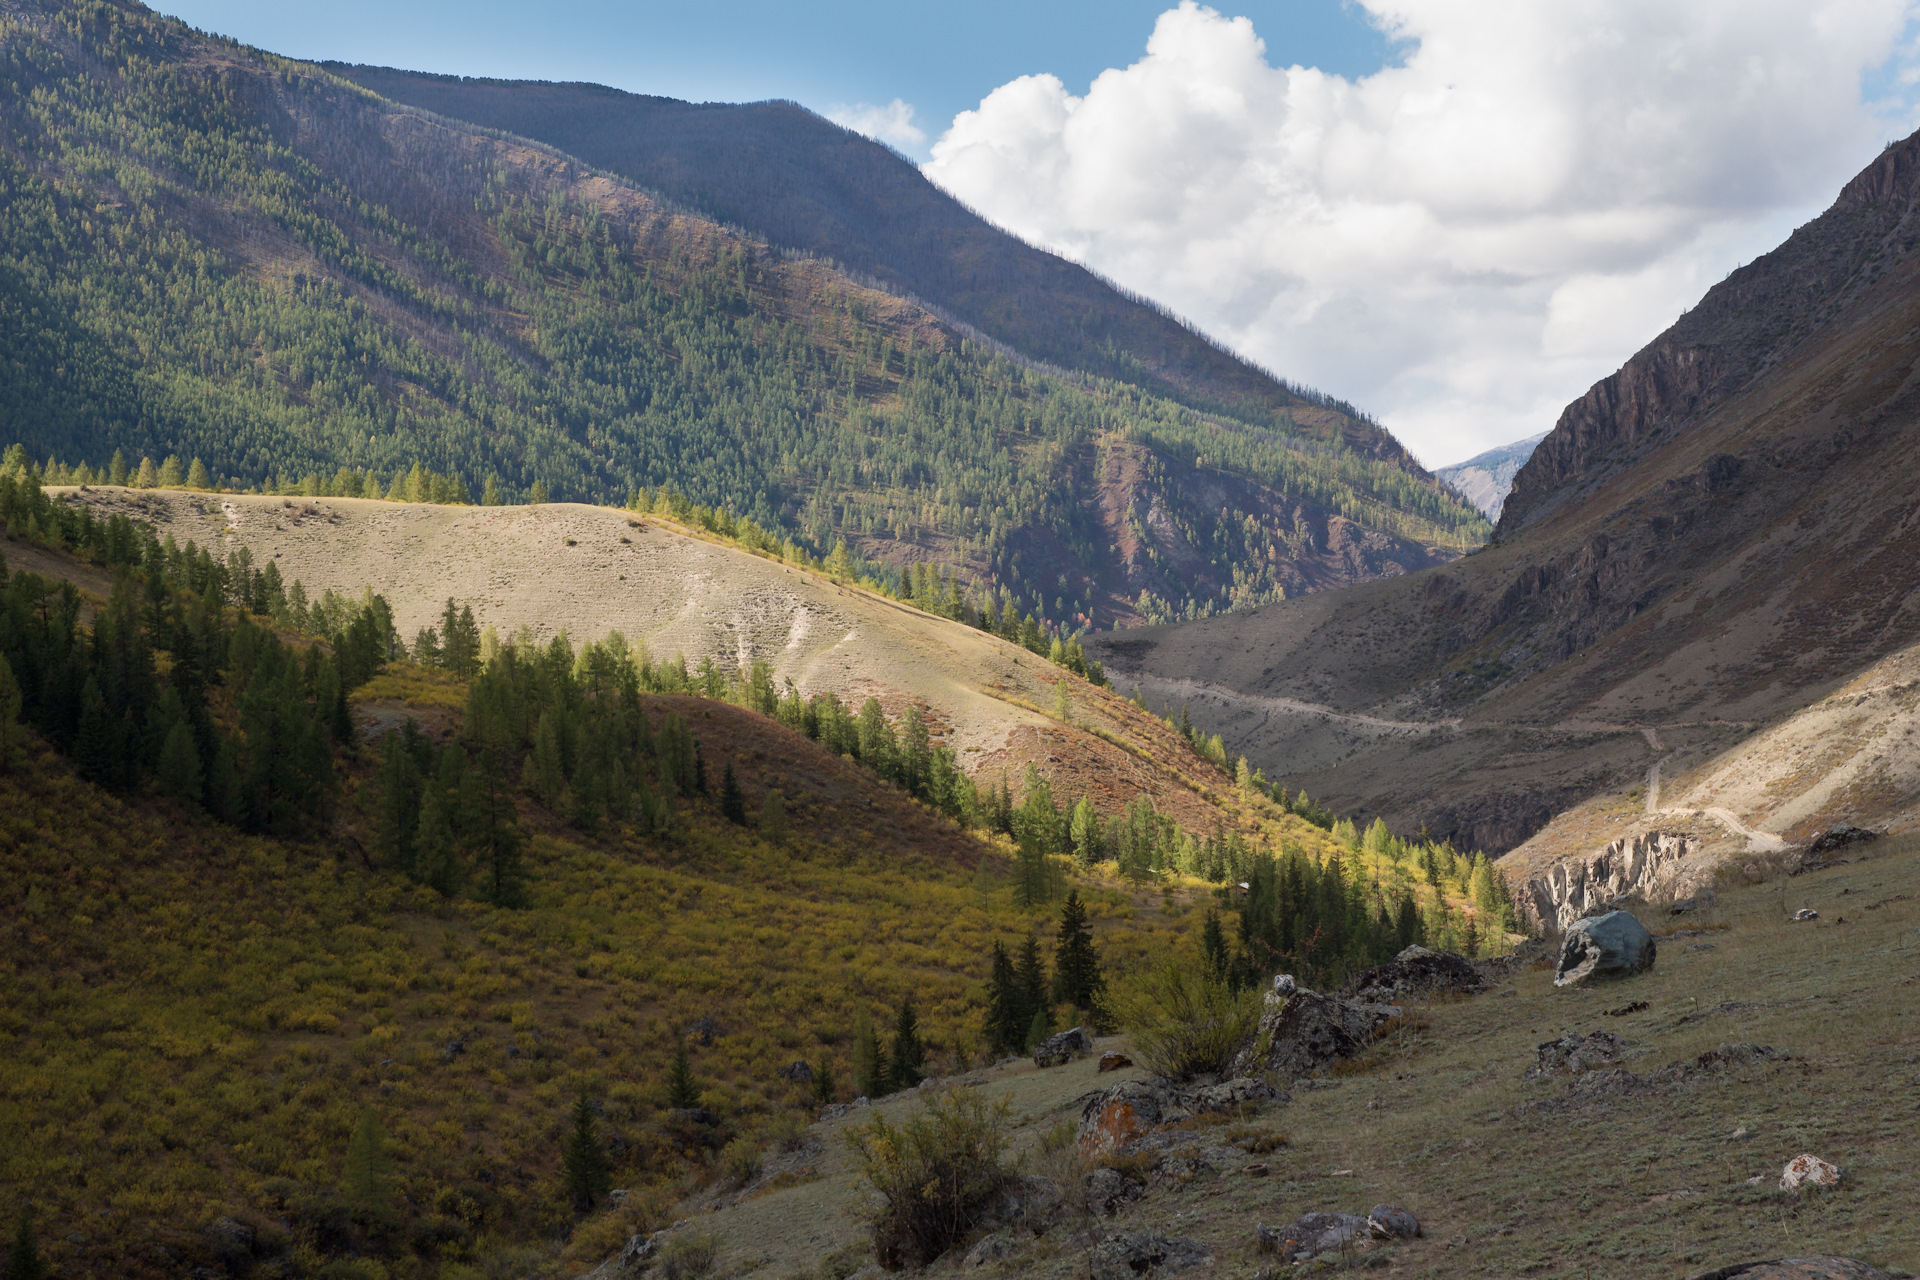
x: 780, y: 171
x: 1485, y: 479
x: 1712, y: 543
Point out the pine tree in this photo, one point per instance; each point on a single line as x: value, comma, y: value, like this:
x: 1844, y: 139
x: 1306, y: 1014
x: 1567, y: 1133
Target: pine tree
x: 869, y: 1075
x: 367, y: 1180
x: 823, y: 1086
x: 1076, y: 965
x: 1062, y: 702
x: 172, y: 474
x: 733, y: 805
x: 494, y: 833
x: 1007, y: 1013
x: 117, y: 469
x: 23, y: 1260
x: 491, y: 496
x: 178, y: 770
x: 13, y: 734
x: 906, y: 1063
x: 149, y: 475
x: 1032, y: 876
x: 683, y: 1092
x: 1085, y: 833
x: 583, y: 1157
x: 197, y: 476
x: 1030, y: 975
x: 1213, y: 948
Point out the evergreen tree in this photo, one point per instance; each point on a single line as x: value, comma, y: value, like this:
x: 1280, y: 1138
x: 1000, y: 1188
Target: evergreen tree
x: 172, y: 475
x: 823, y: 1087
x: 869, y: 1073
x: 13, y: 734
x: 23, y: 1259
x: 1062, y: 702
x: 583, y: 1157
x: 1040, y: 1028
x: 1076, y: 965
x: 1213, y: 948
x: 117, y: 469
x: 494, y: 832
x: 197, y: 476
x: 1085, y: 832
x: 733, y: 805
x: 367, y: 1180
x: 1032, y: 876
x: 397, y: 819
x: 683, y: 1092
x: 93, y: 751
x: 1007, y: 1012
x: 148, y: 477
x: 538, y: 495
x: 178, y: 771
x: 491, y: 496
x: 443, y: 823
x: 906, y: 1063
x: 1030, y: 975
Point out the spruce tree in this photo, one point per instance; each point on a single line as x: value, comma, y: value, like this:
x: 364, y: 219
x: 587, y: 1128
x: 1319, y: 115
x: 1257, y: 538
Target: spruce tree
x: 13, y: 734
x: 1085, y: 833
x: 823, y: 1087
x: 906, y: 1063
x: 869, y: 1073
x: 197, y: 476
x: 1076, y: 965
x: 1213, y: 948
x: 1007, y: 1012
x: 178, y: 770
x: 733, y: 804
x: 494, y: 833
x: 1030, y: 975
x: 367, y: 1180
x: 23, y: 1260
x: 583, y: 1157
x: 683, y: 1092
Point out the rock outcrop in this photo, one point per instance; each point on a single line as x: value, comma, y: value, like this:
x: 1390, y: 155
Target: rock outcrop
x: 1305, y: 1031
x: 1060, y: 1049
x: 1415, y: 972
x: 1814, y: 1268
x: 1614, y: 945
x: 1632, y: 866
x: 1129, y: 1257
x: 1113, y: 1118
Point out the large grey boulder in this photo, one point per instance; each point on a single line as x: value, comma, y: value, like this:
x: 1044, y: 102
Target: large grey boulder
x: 1415, y: 972
x: 1614, y: 945
x: 1058, y: 1050
x: 1310, y: 1235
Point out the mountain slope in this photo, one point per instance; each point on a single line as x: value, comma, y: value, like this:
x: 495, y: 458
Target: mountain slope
x: 1719, y: 536
x: 209, y: 251
x: 782, y: 172
x: 1487, y: 478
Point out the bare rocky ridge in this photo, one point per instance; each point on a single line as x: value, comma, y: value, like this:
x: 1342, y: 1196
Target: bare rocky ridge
x: 1719, y: 538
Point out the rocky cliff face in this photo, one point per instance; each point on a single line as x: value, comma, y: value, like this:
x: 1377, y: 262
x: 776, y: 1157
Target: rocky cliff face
x: 1743, y: 327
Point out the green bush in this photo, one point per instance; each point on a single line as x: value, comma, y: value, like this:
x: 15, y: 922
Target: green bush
x: 934, y: 1174
x: 1186, y: 1023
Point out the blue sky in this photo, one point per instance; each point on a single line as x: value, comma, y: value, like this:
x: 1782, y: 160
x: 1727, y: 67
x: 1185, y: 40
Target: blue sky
x: 939, y: 59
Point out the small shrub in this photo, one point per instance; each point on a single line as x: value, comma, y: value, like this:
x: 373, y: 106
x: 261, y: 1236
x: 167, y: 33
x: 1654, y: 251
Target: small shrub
x: 739, y: 1162
x: 933, y: 1173
x: 688, y: 1257
x: 1185, y: 1023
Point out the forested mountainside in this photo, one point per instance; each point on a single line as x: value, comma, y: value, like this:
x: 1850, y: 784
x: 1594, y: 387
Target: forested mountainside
x: 1714, y: 539
x: 211, y: 251
x: 803, y: 182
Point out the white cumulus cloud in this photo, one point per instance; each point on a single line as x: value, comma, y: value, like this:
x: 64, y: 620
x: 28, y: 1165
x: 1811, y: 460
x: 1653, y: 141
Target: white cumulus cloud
x: 892, y: 124
x: 1464, y: 242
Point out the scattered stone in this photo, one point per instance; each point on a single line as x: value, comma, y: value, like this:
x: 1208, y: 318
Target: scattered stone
x: 1129, y: 1257
x: 1058, y: 1050
x: 1310, y: 1235
x: 1721, y: 1057
x: 1255, y: 1171
x: 1390, y: 1222
x: 1284, y: 984
x: 1810, y: 1171
x: 1739, y: 1135
x: 1235, y: 1095
x: 1109, y: 1191
x: 1700, y: 946
x: 1111, y: 1061
x: 834, y: 1110
x: 1813, y: 1268
x: 695, y: 1115
x: 1415, y: 972
x: 1626, y: 1009
x: 990, y: 1249
x: 1307, y: 1030
x: 798, y: 1072
x: 1576, y: 1055
x: 1610, y: 946
x: 1342, y: 1173
x: 632, y: 1260
x: 1702, y: 899
x: 1114, y: 1117
x: 1028, y: 1202
x: 1805, y: 913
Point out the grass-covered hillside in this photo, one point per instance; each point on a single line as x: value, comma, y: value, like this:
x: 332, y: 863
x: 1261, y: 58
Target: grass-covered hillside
x: 209, y: 251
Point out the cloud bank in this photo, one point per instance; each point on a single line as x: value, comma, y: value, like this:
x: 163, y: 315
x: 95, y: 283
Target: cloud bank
x: 892, y: 124
x: 1465, y: 242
